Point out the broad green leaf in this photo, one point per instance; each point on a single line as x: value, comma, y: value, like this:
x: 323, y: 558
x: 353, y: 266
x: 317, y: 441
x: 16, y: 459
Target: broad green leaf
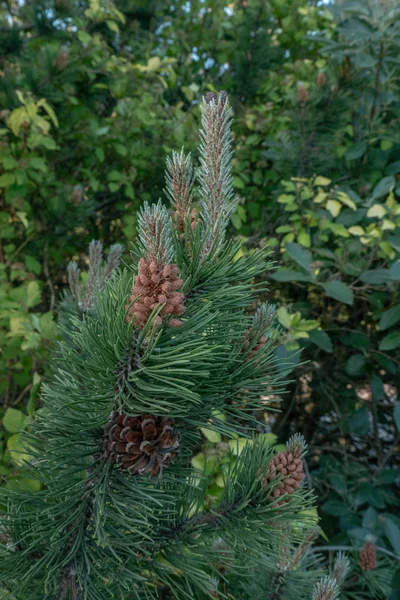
x: 33, y: 295
x: 390, y: 317
x: 268, y: 439
x: 304, y: 239
x: 212, y: 436
x: 392, y: 531
x: 300, y: 255
x: 390, y: 341
x: 376, y: 276
x: 355, y: 365
x: 356, y: 151
x: 237, y: 446
x: 339, y: 291
x: 396, y: 417
x: 290, y: 275
x: 321, y: 339
x: 14, y: 420
x: 384, y: 186
x: 18, y: 452
x: 359, y: 422
x: 336, y: 508
x: 283, y: 317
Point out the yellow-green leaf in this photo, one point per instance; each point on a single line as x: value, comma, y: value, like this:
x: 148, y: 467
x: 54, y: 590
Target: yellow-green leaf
x: 334, y: 207
x: 322, y: 181
x: 356, y: 230
x: 377, y: 210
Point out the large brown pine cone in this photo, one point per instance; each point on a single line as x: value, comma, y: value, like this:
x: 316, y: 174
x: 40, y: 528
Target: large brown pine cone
x: 289, y: 469
x: 156, y: 284
x: 367, y: 556
x: 141, y: 444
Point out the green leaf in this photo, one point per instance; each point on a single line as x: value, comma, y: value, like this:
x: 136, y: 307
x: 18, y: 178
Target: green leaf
x: 268, y: 439
x: 390, y: 341
x: 396, y: 415
x: 355, y: 364
x: 385, y: 186
x: 322, y: 181
x: 321, y: 339
x: 33, y: 295
x: 18, y: 452
x: 237, y: 446
x: 339, y: 291
x: 356, y: 151
x: 359, y: 422
x: 290, y: 275
x: 377, y: 210
x: 336, y: 508
x: 390, y: 317
x: 33, y: 265
x: 14, y: 420
x: 392, y: 532
x: 212, y: 436
x: 300, y: 255
x: 7, y: 179
x: 283, y: 317
x: 376, y: 276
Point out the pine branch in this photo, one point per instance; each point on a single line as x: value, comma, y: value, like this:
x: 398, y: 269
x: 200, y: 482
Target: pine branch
x: 155, y: 234
x: 215, y: 176
x: 179, y: 182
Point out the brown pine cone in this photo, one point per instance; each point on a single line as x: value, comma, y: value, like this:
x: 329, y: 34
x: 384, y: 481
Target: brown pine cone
x: 367, y: 556
x: 141, y: 444
x: 289, y: 468
x: 156, y: 284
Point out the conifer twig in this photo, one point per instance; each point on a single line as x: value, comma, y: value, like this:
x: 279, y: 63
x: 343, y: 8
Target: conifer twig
x: 215, y: 176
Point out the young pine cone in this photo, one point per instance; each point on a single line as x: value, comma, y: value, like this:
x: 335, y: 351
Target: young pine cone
x: 367, y: 556
x: 180, y: 221
x: 156, y: 285
x: 248, y: 339
x: 288, y: 467
x: 141, y: 444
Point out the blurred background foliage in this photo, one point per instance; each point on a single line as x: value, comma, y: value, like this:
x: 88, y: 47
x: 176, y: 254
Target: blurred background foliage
x: 94, y: 95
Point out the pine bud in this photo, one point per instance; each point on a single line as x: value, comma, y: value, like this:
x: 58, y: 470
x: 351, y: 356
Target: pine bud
x: 326, y: 589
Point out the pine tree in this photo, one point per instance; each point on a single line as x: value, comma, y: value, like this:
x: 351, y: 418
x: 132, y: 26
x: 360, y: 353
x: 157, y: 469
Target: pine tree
x: 155, y: 352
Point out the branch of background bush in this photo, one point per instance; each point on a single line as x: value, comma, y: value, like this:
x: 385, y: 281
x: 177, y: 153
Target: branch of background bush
x: 350, y: 548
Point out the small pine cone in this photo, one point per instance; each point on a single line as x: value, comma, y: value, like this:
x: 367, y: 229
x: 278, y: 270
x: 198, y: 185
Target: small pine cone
x: 156, y: 285
x: 367, y: 556
x: 288, y: 466
x: 321, y: 79
x: 302, y: 93
x: 140, y: 444
x: 180, y: 221
x: 248, y: 339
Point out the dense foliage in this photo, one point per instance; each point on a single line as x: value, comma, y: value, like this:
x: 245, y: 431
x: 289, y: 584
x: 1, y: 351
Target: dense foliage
x: 95, y: 95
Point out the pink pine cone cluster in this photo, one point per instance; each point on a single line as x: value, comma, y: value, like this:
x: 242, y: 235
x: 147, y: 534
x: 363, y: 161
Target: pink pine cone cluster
x: 289, y: 468
x: 156, y: 285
